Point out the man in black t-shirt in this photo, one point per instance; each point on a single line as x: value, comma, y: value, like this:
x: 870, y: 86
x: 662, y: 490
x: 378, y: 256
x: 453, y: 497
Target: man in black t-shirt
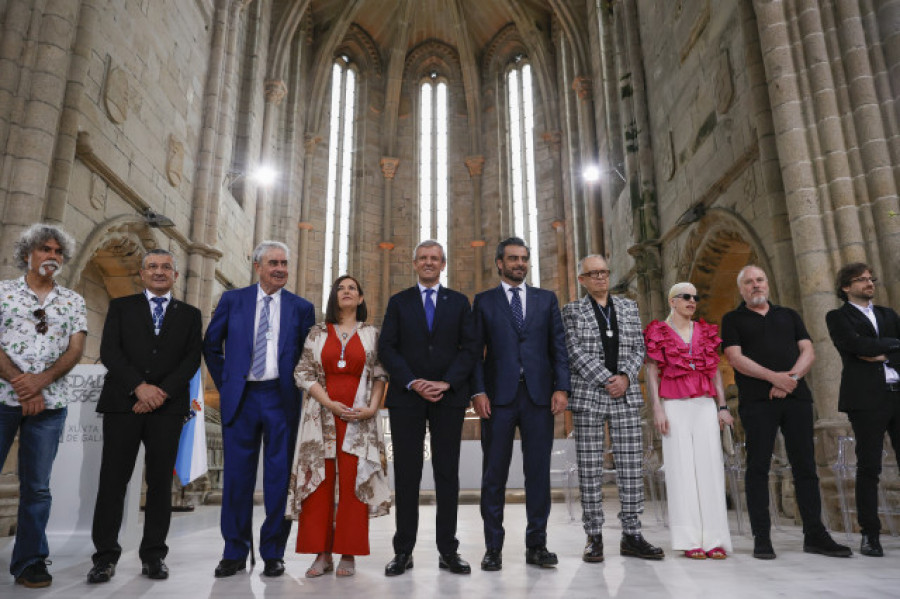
x: 771, y: 352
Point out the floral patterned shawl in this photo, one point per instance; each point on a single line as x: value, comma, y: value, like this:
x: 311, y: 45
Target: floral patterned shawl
x: 317, y: 436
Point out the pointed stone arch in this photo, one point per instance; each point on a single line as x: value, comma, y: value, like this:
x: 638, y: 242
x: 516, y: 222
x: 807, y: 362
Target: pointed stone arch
x: 717, y: 248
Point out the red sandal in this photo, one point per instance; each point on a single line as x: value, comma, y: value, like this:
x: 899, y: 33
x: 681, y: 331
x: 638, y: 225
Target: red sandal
x: 695, y: 554
x: 716, y: 553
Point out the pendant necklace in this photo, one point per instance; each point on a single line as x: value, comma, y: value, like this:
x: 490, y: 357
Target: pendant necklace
x: 345, y: 339
x: 609, y: 330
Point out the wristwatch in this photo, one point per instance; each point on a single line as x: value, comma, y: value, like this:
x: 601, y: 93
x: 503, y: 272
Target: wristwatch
x: 794, y: 376
x: 723, y: 408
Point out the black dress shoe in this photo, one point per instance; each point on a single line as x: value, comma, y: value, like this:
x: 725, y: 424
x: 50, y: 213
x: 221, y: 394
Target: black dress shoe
x: 400, y: 564
x: 539, y: 556
x: 871, y: 546
x: 593, y: 550
x: 155, y: 569
x: 101, y: 573
x: 762, y: 548
x: 492, y: 560
x: 454, y: 563
x: 823, y: 544
x: 230, y: 567
x: 637, y: 546
x: 274, y: 567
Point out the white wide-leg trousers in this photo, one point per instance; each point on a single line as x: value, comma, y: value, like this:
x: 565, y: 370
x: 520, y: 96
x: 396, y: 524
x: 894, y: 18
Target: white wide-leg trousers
x: 695, y: 476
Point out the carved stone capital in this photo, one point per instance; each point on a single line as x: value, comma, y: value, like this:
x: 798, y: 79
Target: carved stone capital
x: 553, y: 139
x: 305, y: 226
x: 558, y: 225
x: 475, y: 164
x: 310, y: 141
x: 584, y: 87
x: 275, y: 90
x: 389, y: 166
x: 386, y: 246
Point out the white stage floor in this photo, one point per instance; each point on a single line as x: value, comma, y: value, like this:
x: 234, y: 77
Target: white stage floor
x: 195, y: 547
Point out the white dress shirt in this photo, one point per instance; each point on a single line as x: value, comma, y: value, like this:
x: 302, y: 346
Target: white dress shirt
x: 274, y: 326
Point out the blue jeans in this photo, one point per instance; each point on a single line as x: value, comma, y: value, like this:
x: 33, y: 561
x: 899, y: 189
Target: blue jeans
x: 38, y: 443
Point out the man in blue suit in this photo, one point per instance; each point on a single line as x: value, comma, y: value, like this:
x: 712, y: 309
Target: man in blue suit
x: 427, y: 345
x: 522, y: 381
x: 251, y: 348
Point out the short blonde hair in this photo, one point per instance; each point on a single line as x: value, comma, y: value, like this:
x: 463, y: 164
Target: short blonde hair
x: 682, y: 287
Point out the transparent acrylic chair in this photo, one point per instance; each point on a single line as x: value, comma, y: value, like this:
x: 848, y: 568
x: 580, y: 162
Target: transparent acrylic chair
x: 844, y: 468
x: 564, y: 468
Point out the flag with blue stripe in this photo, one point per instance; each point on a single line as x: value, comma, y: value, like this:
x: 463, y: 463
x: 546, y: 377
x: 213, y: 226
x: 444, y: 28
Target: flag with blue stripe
x: 191, y: 461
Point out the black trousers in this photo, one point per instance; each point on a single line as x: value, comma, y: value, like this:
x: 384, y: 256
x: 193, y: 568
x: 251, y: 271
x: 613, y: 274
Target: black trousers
x: 761, y: 420
x: 123, y: 434
x: 445, y: 423
x: 869, y: 427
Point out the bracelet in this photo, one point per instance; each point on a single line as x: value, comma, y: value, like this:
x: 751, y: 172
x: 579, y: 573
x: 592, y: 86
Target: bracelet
x: 723, y: 408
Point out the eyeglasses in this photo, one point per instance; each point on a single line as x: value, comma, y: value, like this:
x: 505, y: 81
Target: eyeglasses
x: 596, y: 274
x: 687, y: 297
x: 864, y: 280
x: 41, y: 325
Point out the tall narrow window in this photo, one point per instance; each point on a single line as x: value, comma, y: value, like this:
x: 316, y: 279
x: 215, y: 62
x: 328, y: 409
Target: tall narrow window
x: 340, y: 172
x: 433, y: 204
x: 523, y: 187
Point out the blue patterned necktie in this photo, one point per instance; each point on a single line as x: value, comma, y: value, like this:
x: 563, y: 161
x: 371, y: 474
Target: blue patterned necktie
x: 260, y: 346
x: 516, y: 305
x: 429, y: 308
x: 158, y: 313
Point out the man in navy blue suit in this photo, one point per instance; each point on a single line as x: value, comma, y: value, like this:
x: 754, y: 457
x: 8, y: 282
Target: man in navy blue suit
x: 251, y: 347
x: 522, y: 381
x: 427, y: 345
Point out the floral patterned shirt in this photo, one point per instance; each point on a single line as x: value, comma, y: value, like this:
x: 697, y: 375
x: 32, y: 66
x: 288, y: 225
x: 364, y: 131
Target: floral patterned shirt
x: 29, y: 350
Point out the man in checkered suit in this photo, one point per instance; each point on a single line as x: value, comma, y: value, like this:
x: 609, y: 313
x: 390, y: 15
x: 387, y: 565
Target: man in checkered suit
x: 606, y: 351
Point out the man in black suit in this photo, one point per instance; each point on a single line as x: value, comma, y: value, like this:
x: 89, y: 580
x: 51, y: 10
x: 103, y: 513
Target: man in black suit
x: 151, y: 348
x: 427, y: 345
x: 522, y: 381
x: 868, y: 339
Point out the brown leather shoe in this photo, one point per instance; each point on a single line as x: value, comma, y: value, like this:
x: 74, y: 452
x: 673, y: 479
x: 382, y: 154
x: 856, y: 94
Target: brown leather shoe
x: 593, y: 550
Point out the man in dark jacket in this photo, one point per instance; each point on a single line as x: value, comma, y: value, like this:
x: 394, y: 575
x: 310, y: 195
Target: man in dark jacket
x: 868, y: 339
x: 151, y: 348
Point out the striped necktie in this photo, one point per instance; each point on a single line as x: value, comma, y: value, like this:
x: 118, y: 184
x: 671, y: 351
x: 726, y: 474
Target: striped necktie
x: 260, y: 347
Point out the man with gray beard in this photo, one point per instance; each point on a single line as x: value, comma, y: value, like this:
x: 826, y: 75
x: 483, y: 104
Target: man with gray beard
x: 771, y: 353
x: 42, y: 330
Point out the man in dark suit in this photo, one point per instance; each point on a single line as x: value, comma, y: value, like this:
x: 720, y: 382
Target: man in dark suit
x: 868, y: 338
x: 151, y: 349
x: 252, y: 346
x: 522, y: 381
x: 427, y: 345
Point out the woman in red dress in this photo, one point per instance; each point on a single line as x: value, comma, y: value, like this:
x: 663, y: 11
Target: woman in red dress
x: 685, y: 388
x: 339, y: 437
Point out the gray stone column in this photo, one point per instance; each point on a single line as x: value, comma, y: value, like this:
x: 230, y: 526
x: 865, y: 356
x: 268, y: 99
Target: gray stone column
x: 812, y: 255
x: 389, y: 166
x: 275, y: 91
x: 475, y: 164
x: 583, y: 87
x: 31, y: 111
x: 879, y: 166
x: 305, y: 226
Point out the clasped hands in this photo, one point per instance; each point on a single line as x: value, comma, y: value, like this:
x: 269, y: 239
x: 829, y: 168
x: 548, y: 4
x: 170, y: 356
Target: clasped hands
x: 782, y: 384
x: 349, y: 413
x: 149, y: 397
x: 28, y: 387
x: 432, y: 391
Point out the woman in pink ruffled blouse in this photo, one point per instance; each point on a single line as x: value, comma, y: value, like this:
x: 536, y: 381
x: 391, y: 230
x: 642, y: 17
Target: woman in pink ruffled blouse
x: 689, y: 410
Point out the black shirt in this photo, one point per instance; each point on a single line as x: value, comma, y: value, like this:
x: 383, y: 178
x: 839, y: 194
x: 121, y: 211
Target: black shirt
x: 610, y: 343
x: 770, y: 341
